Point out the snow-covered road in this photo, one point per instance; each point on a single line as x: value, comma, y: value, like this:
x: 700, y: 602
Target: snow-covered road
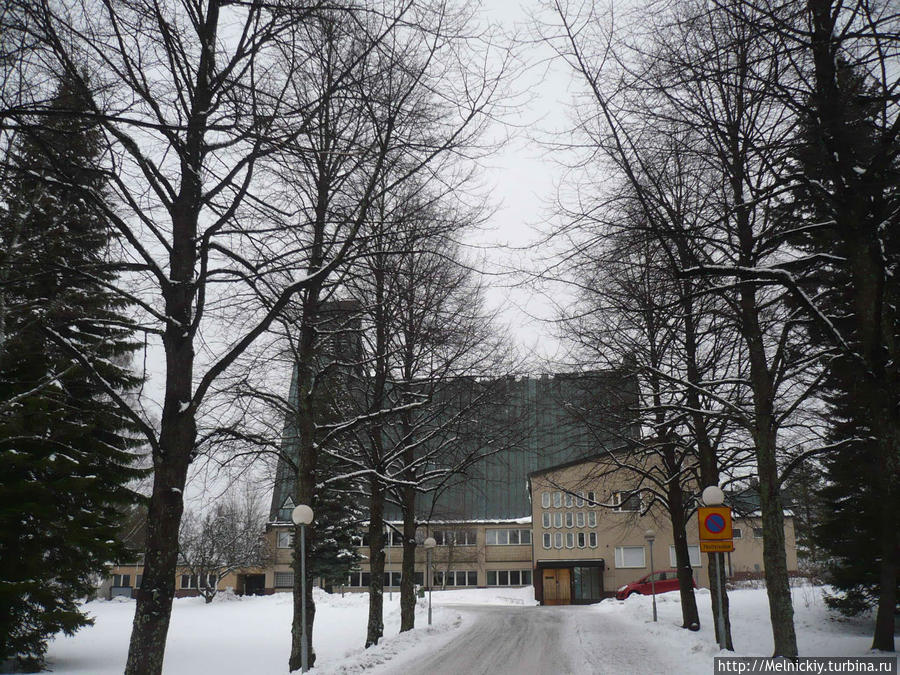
x: 538, y: 640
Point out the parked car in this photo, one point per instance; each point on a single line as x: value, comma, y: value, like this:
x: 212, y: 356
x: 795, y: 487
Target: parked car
x: 663, y: 581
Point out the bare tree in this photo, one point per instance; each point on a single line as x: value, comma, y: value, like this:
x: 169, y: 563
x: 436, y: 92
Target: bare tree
x: 225, y: 540
x: 192, y: 99
x: 710, y: 73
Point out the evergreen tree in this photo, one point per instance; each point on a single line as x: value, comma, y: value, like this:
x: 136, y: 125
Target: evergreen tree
x: 66, y: 450
x: 844, y: 208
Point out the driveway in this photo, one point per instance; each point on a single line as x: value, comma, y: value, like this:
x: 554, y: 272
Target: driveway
x: 536, y: 641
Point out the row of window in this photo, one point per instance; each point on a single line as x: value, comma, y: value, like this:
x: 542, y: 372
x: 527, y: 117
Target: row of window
x: 511, y: 537
x: 622, y: 501
x: 570, y: 519
x: 570, y: 499
x: 121, y: 580
x: 570, y: 540
x: 201, y: 580
x: 509, y: 577
x: 455, y: 578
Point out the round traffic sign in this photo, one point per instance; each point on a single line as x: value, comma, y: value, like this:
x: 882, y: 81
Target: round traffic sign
x: 715, y: 523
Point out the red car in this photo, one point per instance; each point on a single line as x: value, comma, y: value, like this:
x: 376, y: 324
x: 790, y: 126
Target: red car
x: 663, y: 581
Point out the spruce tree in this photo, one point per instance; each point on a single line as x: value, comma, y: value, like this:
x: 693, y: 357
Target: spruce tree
x: 67, y: 453
x: 845, y: 208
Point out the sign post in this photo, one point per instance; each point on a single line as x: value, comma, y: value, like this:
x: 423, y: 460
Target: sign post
x: 714, y: 521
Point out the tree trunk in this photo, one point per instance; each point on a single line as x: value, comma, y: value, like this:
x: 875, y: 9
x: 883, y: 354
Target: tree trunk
x: 709, y: 462
x: 689, y: 615
x: 307, y: 462
x: 375, y: 628
x: 408, y: 581
x: 778, y: 588
x: 154, y: 599
x: 178, y: 434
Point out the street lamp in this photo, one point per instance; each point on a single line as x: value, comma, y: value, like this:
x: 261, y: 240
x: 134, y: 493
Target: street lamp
x: 430, y: 543
x: 650, y: 536
x: 302, y: 515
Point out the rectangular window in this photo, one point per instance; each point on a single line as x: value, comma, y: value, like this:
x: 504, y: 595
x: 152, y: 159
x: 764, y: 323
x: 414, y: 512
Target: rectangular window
x: 570, y: 519
x: 139, y: 580
x: 558, y: 540
x: 693, y: 551
x: 547, y: 540
x: 570, y: 540
x: 757, y: 533
x: 125, y: 580
x: 630, y: 556
x: 557, y: 519
x: 545, y: 500
x: 438, y: 577
x: 286, y: 539
x: 286, y: 580
x: 472, y: 578
x: 557, y: 499
x: 546, y: 519
x: 592, y: 519
x: 592, y: 539
x: 509, y: 577
x: 507, y: 537
x: 628, y: 501
x: 189, y: 581
x: 736, y: 533
x: 581, y: 540
x: 365, y: 579
x: 579, y: 519
x: 419, y: 579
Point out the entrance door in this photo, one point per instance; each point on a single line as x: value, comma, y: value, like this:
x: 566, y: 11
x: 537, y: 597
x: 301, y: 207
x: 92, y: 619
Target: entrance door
x: 557, y: 587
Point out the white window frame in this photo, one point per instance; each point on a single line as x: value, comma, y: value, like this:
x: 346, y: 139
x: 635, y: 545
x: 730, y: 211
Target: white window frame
x: 548, y: 540
x: 591, y: 497
x: 558, y: 540
x: 557, y: 500
x: 286, y: 539
x: 579, y: 500
x: 570, y: 500
x: 758, y: 529
x: 570, y: 540
x: 621, y: 554
x: 592, y: 519
x: 570, y: 519
x: 546, y: 519
x: 693, y: 552
x: 581, y: 540
x: 579, y: 519
x: 557, y: 519
x: 737, y: 533
x: 545, y: 499
x: 592, y: 539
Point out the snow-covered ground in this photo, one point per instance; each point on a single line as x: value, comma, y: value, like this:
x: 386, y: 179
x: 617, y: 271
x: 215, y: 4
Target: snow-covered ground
x: 252, y: 635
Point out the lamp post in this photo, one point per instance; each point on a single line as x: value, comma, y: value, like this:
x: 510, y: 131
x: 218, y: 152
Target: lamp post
x: 713, y: 496
x: 302, y: 515
x: 650, y: 536
x: 430, y: 543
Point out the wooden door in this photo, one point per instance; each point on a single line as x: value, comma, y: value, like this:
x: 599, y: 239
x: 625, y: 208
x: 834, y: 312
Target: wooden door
x: 557, y: 587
